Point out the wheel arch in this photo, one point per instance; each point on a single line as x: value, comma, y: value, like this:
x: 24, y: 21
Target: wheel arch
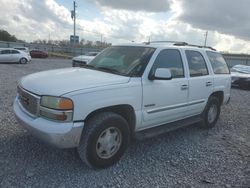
x: 124, y: 110
x: 219, y: 95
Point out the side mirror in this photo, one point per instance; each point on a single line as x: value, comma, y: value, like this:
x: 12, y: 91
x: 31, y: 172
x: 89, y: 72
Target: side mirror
x: 161, y: 74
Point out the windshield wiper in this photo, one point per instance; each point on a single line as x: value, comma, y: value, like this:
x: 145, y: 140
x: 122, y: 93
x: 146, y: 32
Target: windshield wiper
x: 110, y: 70
x: 88, y: 66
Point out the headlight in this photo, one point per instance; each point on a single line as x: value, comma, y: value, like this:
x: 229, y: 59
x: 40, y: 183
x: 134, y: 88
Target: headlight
x: 58, y: 103
x: 56, y: 108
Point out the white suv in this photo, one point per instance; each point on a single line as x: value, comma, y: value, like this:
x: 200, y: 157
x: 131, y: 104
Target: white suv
x: 127, y: 91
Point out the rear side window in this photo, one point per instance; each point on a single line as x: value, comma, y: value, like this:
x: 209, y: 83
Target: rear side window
x: 170, y: 59
x: 15, y: 52
x: 218, y: 63
x: 5, y: 52
x: 196, y: 63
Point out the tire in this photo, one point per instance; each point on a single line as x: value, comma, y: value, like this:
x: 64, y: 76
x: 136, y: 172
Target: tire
x: 96, y: 148
x: 244, y: 85
x: 211, y: 112
x: 23, y: 60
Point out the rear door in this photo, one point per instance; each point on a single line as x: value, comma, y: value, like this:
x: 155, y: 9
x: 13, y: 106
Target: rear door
x: 16, y: 56
x: 200, y: 82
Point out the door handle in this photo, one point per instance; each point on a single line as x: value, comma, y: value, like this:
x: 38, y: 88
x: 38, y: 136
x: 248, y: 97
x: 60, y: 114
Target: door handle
x: 208, y: 83
x: 184, y: 87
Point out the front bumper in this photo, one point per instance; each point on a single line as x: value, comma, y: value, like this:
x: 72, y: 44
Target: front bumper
x: 61, y: 135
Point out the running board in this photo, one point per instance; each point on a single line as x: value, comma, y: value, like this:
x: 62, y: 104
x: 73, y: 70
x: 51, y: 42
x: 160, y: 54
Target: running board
x: 154, y: 131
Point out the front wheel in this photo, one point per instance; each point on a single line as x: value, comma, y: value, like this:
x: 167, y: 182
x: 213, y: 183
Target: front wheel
x: 104, y: 140
x: 211, y: 112
x: 23, y: 60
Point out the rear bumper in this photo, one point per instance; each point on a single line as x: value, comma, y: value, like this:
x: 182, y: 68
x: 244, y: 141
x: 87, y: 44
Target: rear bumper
x: 245, y: 82
x: 61, y: 135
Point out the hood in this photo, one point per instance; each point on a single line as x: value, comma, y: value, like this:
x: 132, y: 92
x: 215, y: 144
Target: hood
x: 61, y: 81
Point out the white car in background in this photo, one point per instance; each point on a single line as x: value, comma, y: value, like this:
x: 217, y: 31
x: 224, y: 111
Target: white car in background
x: 24, y: 49
x: 241, y: 76
x: 82, y: 60
x: 11, y: 55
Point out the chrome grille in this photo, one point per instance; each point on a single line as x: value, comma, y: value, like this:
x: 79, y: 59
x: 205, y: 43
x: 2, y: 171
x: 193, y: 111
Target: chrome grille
x: 28, y: 101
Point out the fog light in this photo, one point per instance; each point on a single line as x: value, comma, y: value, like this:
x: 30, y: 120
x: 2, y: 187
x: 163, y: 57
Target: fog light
x: 56, y: 114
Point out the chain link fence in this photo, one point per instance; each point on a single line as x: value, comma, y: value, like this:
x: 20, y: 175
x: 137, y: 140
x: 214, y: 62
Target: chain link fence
x: 231, y: 59
x: 237, y: 59
x: 70, y: 50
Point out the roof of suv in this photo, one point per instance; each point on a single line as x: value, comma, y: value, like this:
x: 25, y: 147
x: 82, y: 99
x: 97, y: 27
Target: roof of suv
x: 171, y: 44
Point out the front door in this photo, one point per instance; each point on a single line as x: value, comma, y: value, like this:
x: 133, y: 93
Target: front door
x: 165, y: 100
x: 5, y: 56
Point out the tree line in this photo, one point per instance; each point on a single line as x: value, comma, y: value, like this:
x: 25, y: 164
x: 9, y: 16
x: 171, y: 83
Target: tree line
x: 82, y: 43
x: 5, y: 36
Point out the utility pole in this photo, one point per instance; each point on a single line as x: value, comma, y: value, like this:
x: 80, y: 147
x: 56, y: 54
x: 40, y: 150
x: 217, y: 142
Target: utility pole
x: 206, y: 34
x: 49, y: 38
x: 74, y: 22
x: 73, y: 16
x: 101, y: 40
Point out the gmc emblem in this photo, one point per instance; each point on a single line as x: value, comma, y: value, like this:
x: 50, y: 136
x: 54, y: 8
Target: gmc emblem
x: 25, y: 100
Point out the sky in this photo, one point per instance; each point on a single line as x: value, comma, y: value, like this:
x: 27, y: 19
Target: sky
x: 122, y: 21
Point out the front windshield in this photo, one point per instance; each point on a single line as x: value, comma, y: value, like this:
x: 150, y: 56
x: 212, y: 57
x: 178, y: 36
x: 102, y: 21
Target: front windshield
x: 123, y: 60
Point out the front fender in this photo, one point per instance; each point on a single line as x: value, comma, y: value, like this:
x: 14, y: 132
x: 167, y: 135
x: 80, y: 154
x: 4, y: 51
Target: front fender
x: 86, y: 102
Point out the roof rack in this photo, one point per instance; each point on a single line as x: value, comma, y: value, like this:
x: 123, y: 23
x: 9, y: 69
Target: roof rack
x: 193, y: 45
x: 178, y: 43
x: 165, y: 41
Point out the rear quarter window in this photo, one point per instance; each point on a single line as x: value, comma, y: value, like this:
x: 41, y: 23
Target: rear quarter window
x: 218, y: 63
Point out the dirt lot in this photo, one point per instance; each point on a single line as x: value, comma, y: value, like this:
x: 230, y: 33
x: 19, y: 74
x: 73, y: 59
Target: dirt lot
x: 189, y: 157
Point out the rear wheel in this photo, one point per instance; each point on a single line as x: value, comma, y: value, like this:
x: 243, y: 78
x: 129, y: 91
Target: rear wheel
x: 23, y: 60
x: 211, y: 112
x: 104, y: 140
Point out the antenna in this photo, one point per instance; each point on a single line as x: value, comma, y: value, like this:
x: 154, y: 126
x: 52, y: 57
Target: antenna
x: 206, y: 34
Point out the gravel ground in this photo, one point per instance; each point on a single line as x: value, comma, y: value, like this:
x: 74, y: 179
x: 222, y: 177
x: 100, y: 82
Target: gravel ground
x: 188, y: 157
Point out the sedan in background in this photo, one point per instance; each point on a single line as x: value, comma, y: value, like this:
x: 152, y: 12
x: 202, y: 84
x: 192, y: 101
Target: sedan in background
x: 38, y: 54
x: 241, y: 76
x: 11, y: 55
x: 83, y: 59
